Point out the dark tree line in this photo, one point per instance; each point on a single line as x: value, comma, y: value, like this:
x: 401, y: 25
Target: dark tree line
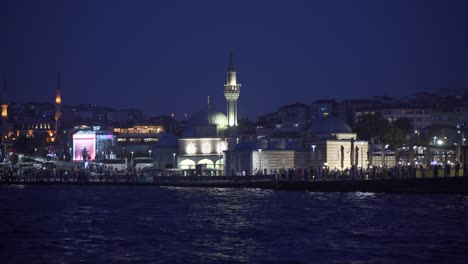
x: 381, y: 129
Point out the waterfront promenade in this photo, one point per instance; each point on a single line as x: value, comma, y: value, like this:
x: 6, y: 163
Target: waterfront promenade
x: 379, y: 183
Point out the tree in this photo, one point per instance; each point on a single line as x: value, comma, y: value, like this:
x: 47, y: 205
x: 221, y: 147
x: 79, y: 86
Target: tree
x: 393, y: 136
x: 404, y: 124
x: 372, y: 125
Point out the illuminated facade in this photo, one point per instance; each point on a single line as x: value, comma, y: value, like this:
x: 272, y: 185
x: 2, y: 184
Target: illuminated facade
x: 207, y: 152
x: 231, y: 92
x: 84, y: 146
x: 92, y: 145
x: 40, y: 128
x: 138, y: 139
x: 204, y: 141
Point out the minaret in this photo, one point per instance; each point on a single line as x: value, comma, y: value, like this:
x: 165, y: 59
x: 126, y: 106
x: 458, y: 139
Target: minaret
x: 4, y: 116
x: 231, y: 92
x: 58, y: 105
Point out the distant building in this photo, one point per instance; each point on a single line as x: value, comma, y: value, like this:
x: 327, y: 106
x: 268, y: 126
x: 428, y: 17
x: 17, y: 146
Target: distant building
x: 294, y: 116
x: 138, y: 139
x: 420, y: 117
x: 42, y: 128
x: 323, y: 108
x: 458, y: 115
x: 329, y: 143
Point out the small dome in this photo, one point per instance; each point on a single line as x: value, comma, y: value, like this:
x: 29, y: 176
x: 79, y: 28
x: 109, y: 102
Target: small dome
x: 206, y: 118
x: 329, y: 125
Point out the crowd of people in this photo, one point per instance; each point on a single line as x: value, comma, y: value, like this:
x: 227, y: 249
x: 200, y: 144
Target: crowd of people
x: 108, y: 174
x: 359, y: 173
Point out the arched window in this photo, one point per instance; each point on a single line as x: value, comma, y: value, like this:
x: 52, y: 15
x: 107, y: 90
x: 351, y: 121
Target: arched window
x: 209, y: 163
x: 187, y: 164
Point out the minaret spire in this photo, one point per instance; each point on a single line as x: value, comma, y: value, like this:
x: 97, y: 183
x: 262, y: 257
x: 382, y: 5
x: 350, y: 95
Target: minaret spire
x: 4, y: 114
x: 231, y: 65
x: 58, y: 104
x: 231, y: 92
x: 4, y: 100
x: 4, y: 90
x: 58, y: 81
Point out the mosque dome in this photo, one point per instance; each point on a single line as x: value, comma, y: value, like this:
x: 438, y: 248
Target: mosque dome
x: 36, y: 125
x: 208, y: 118
x: 329, y: 125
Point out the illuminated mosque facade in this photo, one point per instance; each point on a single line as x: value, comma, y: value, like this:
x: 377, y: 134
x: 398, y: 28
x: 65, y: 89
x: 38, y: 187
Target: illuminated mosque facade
x: 210, y: 143
x: 208, y: 133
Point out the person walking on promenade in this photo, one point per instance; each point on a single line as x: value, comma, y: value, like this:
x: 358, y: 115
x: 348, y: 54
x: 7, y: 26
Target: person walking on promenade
x: 447, y: 170
x: 436, y: 171
x: 457, y: 168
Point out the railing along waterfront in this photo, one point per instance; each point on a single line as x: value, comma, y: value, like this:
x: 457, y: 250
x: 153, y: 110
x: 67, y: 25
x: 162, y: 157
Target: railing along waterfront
x: 41, y: 176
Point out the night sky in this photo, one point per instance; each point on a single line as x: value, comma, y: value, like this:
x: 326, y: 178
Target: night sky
x: 163, y: 56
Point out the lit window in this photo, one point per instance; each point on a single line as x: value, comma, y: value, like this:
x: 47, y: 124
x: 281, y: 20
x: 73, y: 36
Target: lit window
x: 191, y: 148
x: 206, y: 148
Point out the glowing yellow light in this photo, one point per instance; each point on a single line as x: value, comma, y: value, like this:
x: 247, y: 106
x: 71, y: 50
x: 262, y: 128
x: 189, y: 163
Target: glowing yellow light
x: 58, y: 99
x: 4, y: 110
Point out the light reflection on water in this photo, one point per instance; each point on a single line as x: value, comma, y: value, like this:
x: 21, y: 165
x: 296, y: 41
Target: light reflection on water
x: 201, y: 225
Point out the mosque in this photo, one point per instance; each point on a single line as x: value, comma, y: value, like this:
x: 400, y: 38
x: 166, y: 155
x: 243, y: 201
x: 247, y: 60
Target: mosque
x: 210, y: 143
x: 209, y: 134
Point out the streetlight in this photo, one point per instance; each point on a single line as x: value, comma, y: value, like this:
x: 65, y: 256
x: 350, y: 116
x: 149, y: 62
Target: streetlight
x: 260, y: 152
x: 132, y: 154
x: 174, y: 162
x: 71, y: 156
x: 434, y: 142
x: 149, y: 153
x: 313, y: 151
x: 219, y: 156
x: 35, y: 151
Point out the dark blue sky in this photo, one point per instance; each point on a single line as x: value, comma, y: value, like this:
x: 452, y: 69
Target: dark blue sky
x: 163, y: 56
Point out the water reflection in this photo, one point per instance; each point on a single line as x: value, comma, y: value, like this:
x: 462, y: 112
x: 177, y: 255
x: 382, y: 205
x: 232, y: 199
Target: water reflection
x: 195, y: 225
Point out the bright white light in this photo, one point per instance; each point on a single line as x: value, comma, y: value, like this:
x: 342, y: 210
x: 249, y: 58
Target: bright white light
x: 440, y: 142
x: 206, y: 148
x: 190, y: 149
x: 221, y: 147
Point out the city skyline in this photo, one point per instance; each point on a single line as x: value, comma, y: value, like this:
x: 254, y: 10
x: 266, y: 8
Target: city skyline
x: 164, y: 58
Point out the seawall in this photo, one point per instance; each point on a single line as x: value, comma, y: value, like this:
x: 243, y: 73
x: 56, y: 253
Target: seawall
x: 450, y: 185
